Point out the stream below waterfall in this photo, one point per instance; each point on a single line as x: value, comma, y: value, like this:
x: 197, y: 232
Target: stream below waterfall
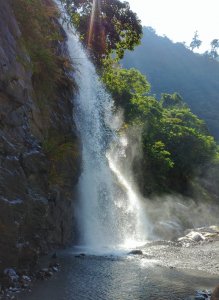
x: 164, y: 271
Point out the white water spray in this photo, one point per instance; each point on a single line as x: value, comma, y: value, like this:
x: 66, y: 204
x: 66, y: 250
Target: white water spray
x: 109, y: 214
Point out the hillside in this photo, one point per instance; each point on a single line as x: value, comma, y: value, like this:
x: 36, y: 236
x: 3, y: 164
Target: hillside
x: 171, y: 67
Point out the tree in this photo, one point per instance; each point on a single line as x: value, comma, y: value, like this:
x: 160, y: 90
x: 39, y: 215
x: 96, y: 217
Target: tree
x: 214, y: 46
x: 175, y: 142
x: 128, y: 88
x: 157, y: 162
x: 171, y: 100
x: 105, y: 26
x: 195, y: 43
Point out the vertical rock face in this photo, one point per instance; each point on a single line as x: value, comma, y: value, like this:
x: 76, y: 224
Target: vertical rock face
x: 39, y: 156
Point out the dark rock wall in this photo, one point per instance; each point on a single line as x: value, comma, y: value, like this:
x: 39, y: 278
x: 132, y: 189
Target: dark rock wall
x: 36, y: 184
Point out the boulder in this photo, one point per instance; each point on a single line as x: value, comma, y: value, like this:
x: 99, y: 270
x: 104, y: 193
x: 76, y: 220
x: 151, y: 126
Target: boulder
x: 215, y: 294
x: 10, y: 278
x: 136, y: 252
x: 203, y: 295
x: 195, y: 236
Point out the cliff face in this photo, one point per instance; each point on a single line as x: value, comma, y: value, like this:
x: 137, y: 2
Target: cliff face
x: 39, y: 152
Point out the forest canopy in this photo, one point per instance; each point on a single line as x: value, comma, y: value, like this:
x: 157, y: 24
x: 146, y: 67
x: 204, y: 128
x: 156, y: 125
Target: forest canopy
x: 105, y: 26
x: 171, y: 67
x: 169, y: 131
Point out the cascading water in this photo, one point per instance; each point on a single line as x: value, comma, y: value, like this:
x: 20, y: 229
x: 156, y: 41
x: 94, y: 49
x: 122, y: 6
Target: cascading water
x: 109, y: 214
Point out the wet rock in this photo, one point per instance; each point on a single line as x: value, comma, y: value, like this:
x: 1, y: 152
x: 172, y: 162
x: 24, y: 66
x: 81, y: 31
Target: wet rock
x: 11, y: 274
x: 215, y: 294
x: 45, y: 270
x: 49, y: 274
x: 80, y: 255
x: 203, y: 295
x: 44, y: 274
x: 26, y: 278
x: 14, y: 290
x: 13, y: 283
x: 40, y: 275
x: 25, y: 281
x: 10, y: 278
x: 54, y: 269
x: 136, y: 252
x: 56, y: 265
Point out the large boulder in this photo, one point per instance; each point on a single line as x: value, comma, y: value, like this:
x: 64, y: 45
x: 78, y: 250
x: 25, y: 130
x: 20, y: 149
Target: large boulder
x: 215, y: 294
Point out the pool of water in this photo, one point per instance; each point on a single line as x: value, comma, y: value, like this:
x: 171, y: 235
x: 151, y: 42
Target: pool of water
x: 120, y: 277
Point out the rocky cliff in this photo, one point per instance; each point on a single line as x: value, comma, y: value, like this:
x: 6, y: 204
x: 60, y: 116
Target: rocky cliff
x: 39, y: 148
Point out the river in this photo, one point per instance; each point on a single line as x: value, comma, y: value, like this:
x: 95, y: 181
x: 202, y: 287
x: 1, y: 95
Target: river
x: 164, y: 271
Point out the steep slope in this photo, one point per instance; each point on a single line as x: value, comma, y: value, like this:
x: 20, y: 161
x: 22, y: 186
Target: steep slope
x: 172, y: 68
x: 39, y: 148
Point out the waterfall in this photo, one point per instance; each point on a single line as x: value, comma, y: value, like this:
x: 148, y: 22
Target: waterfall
x: 109, y: 213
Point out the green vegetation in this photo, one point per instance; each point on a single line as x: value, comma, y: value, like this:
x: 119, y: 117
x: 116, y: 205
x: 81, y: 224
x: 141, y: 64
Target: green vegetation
x: 176, y: 144
x: 105, y: 26
x: 126, y: 86
x: 171, y: 67
x: 40, y: 34
x: 213, y: 53
x: 195, y: 43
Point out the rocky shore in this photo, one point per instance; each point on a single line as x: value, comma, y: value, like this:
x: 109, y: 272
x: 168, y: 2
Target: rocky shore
x: 197, y: 250
x: 15, y: 282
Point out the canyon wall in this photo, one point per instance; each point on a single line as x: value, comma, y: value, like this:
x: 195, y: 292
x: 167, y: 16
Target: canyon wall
x: 39, y: 149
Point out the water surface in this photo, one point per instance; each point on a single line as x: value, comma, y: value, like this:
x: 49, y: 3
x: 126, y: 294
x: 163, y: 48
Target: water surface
x: 120, y: 278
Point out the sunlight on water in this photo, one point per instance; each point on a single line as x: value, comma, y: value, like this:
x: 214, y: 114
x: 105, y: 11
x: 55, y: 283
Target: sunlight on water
x: 132, y: 244
x: 133, y: 204
x: 109, y: 214
x: 130, y: 204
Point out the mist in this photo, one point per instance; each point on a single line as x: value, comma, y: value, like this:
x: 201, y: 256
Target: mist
x: 166, y: 216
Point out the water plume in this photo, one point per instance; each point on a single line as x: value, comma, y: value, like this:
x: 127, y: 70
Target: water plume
x: 109, y: 213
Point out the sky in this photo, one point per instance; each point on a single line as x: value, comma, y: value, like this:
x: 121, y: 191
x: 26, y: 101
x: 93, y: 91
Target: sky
x: 179, y: 19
